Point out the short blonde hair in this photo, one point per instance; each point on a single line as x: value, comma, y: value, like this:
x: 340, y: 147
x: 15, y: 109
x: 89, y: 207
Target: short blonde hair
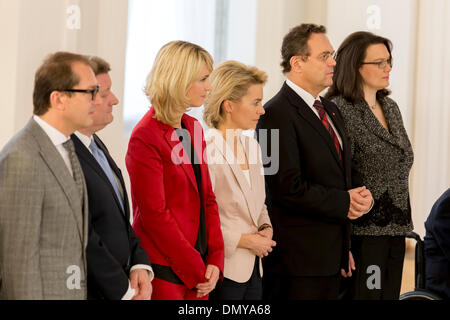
x: 229, y: 81
x: 175, y: 69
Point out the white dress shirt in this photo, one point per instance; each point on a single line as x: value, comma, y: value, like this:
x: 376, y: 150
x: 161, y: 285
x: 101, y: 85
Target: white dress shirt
x: 130, y: 292
x: 309, y: 100
x: 247, y: 176
x: 58, y: 139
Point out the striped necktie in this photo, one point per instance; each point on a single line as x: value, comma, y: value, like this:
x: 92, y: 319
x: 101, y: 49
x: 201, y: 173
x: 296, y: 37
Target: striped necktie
x: 323, y: 117
x: 76, y: 167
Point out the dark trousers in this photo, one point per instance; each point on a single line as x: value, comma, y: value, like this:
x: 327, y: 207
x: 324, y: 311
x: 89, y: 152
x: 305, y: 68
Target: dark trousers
x: 310, y: 288
x: 277, y: 286
x: 379, y: 267
x: 232, y: 290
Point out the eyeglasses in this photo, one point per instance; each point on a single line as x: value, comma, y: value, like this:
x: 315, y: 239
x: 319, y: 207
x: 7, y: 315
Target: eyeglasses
x: 93, y: 92
x: 327, y: 55
x: 323, y: 57
x: 381, y: 64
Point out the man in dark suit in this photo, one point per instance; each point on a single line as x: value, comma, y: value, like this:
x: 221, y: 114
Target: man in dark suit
x: 310, y: 199
x: 437, y: 247
x: 118, y: 268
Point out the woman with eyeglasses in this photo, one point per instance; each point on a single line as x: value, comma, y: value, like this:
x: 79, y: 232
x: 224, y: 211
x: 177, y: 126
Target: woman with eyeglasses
x: 382, y: 157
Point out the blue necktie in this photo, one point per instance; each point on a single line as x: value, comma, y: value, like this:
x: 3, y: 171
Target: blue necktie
x: 103, y: 162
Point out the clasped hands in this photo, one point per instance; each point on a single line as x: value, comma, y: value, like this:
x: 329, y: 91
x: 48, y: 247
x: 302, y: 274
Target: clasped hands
x: 260, y: 243
x: 360, y: 202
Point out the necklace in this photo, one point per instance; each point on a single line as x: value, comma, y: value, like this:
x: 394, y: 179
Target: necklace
x: 373, y: 107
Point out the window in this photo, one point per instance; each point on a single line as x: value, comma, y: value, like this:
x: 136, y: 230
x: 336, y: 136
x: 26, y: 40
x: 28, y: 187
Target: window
x: 226, y: 28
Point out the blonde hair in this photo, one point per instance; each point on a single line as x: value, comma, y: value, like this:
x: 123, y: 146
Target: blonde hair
x: 175, y: 69
x: 229, y: 81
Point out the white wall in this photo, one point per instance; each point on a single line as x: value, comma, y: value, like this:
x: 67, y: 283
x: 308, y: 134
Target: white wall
x: 348, y: 16
x: 9, y: 25
x: 275, y: 19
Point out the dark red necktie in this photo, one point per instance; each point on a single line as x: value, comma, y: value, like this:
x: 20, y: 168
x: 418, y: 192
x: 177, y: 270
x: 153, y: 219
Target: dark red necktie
x: 323, y: 116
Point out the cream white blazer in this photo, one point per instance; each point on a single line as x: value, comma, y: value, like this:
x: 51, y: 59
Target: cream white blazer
x: 241, y: 206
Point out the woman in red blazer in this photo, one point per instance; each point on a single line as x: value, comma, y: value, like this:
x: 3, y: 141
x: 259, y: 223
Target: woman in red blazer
x: 174, y: 208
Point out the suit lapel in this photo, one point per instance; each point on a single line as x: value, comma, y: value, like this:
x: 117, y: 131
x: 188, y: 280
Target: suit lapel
x: 395, y: 126
x: 376, y: 127
x: 231, y: 161
x: 117, y: 172
x: 255, y: 176
x: 178, y: 154
x: 86, y: 157
x: 338, y: 123
x: 332, y: 113
x: 305, y: 112
x: 57, y: 166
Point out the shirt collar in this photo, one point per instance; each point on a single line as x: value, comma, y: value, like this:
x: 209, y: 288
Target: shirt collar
x: 55, y: 135
x: 305, y: 95
x: 84, y: 139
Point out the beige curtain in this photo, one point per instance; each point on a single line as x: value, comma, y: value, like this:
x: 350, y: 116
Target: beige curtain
x: 431, y: 142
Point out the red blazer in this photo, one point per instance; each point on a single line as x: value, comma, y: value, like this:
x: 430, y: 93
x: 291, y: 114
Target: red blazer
x: 166, y: 202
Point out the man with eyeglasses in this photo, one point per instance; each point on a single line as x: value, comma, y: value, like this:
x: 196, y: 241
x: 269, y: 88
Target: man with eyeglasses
x: 118, y: 268
x: 311, y: 199
x: 43, y: 198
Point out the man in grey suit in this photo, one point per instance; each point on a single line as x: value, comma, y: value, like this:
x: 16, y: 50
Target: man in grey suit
x: 43, y: 198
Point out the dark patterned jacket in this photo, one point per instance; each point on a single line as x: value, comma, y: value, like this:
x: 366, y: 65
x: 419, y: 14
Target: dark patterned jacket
x: 381, y: 161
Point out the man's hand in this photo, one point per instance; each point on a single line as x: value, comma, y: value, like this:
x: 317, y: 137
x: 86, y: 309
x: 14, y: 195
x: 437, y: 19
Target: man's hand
x: 140, y: 281
x: 351, y: 266
x: 360, y: 202
x: 211, y: 275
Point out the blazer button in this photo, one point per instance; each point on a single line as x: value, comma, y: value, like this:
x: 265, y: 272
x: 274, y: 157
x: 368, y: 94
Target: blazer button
x: 402, y: 176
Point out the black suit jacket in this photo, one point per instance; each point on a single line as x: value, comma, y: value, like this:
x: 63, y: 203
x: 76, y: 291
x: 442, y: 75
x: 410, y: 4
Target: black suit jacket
x: 112, y: 246
x: 307, y: 198
x: 437, y: 247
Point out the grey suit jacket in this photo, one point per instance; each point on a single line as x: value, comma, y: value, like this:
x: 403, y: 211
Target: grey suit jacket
x: 43, y: 226
x: 381, y: 160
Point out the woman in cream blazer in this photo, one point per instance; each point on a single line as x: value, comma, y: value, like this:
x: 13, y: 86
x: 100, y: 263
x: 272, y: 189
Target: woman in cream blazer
x: 237, y: 177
